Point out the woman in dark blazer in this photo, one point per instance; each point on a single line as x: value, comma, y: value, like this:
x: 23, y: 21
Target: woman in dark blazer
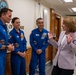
x: 64, y: 61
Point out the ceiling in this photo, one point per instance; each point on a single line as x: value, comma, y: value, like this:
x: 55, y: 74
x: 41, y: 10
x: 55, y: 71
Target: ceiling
x: 60, y: 7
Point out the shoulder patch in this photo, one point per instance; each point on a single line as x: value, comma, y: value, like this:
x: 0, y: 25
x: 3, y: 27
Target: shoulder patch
x: 74, y: 41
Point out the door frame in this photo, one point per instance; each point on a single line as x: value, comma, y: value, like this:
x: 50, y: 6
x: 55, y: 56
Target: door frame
x: 53, y: 16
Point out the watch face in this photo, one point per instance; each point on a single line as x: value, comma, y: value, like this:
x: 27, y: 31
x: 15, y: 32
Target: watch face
x: 3, y: 3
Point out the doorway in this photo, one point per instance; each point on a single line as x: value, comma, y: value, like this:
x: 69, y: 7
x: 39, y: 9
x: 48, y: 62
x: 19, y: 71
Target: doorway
x: 55, y: 27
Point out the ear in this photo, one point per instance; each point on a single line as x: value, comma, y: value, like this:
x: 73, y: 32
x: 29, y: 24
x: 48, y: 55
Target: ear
x: 3, y: 14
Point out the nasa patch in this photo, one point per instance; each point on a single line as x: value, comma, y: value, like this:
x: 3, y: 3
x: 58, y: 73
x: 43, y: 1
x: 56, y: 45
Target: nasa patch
x: 74, y: 41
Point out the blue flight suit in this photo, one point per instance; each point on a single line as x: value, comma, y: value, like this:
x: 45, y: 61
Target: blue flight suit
x: 18, y: 64
x: 38, y: 40
x: 3, y: 41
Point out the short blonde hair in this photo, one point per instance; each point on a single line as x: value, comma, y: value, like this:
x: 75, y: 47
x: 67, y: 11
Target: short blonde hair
x: 70, y: 22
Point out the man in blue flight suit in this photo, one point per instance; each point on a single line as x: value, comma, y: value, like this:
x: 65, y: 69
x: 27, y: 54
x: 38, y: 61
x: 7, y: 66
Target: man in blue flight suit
x: 18, y: 55
x: 5, y: 17
x: 39, y: 43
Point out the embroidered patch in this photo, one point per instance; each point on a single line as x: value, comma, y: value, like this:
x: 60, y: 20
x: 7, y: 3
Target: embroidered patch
x: 35, y: 42
x: 16, y: 45
x: 17, y: 36
x: 22, y: 36
x: 74, y: 41
x: 44, y: 34
x: 44, y: 43
x: 10, y: 36
x: 2, y: 41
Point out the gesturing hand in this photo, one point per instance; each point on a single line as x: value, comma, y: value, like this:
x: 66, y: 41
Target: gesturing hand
x: 50, y: 35
x: 70, y: 38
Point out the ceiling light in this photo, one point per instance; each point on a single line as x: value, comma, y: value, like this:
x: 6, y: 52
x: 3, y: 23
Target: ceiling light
x: 68, y: 0
x: 74, y: 9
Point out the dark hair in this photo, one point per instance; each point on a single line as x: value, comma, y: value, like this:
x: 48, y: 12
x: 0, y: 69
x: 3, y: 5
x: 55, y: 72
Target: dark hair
x: 4, y: 10
x: 13, y: 20
x: 39, y: 19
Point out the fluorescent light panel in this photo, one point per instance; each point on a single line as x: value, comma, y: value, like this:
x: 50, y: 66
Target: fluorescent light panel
x: 74, y: 9
x: 68, y: 0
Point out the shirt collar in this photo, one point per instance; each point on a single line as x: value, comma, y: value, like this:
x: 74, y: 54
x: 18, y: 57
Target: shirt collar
x: 40, y: 31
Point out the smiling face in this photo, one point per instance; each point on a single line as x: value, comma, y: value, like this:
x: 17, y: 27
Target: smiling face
x: 69, y: 24
x: 40, y: 23
x: 64, y: 27
x: 6, y: 17
x: 16, y: 24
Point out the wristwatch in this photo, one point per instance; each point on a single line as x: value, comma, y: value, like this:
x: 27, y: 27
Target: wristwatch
x: 6, y: 47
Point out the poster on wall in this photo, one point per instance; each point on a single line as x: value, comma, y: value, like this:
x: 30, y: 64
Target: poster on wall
x: 3, y: 3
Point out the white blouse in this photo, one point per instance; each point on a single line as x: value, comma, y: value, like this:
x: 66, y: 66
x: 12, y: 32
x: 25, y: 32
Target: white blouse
x: 63, y: 39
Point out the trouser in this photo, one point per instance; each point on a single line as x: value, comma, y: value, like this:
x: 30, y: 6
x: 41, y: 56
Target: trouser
x: 18, y: 65
x: 37, y: 60
x: 2, y: 65
x: 59, y: 71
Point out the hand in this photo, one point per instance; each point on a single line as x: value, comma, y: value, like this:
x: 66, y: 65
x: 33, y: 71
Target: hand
x: 70, y: 38
x: 50, y: 35
x: 39, y: 51
x: 3, y: 47
x: 10, y: 47
x: 22, y: 54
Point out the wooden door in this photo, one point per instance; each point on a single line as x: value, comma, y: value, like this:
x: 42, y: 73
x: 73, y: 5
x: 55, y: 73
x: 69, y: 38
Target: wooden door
x: 8, y: 65
x: 55, y: 27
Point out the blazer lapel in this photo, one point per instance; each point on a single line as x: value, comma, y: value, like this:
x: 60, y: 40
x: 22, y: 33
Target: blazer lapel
x: 60, y: 38
x: 64, y: 42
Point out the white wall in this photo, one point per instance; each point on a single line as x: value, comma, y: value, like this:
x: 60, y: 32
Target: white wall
x: 41, y: 10
x: 28, y: 12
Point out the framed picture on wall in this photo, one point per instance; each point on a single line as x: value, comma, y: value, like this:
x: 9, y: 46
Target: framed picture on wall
x: 10, y: 26
x: 22, y: 27
x: 3, y: 3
